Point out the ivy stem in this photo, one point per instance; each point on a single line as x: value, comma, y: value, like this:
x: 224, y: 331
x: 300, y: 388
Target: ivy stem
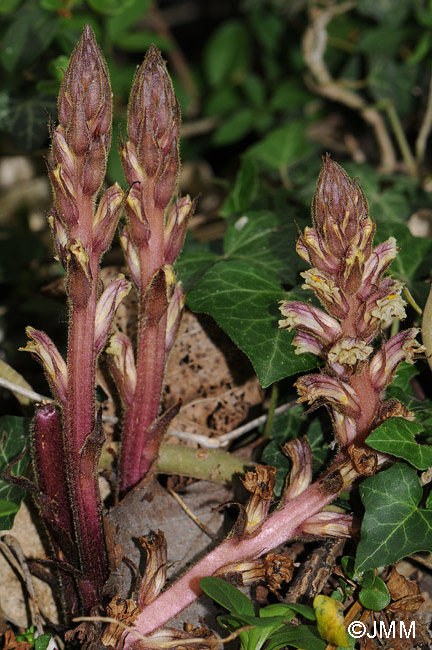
x: 271, y: 412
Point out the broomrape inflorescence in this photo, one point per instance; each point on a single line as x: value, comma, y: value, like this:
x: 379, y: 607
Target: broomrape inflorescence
x: 348, y: 278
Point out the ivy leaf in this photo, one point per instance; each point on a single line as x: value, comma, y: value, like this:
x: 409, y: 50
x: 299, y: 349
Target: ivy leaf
x: 396, y: 436
x: 244, y: 190
x: 14, y: 436
x: 243, y: 299
x: 282, y: 146
x: 260, y: 238
x: 374, y: 594
x: 227, y: 53
x: 393, y: 525
x: 228, y: 596
x: 25, y: 119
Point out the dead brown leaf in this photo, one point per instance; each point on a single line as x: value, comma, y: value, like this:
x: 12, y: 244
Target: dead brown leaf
x: 10, y: 642
x: 213, y: 379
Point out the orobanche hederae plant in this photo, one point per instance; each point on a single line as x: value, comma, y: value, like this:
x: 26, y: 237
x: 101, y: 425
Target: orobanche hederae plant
x: 348, y: 277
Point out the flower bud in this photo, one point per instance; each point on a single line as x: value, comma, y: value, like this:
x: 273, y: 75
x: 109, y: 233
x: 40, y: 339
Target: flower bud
x: 85, y: 111
x: 106, y: 218
x: 153, y: 126
x: 79, y: 275
x: 320, y: 388
x: 106, y: 307
x: 60, y: 236
x: 44, y: 350
x: 176, y: 226
x: 131, y: 255
x: 330, y: 524
x: 174, y: 314
x: 122, y: 366
x: 401, y: 347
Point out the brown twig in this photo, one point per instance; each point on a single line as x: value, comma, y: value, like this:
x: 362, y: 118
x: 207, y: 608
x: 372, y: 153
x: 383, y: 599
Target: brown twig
x: 177, y: 60
x: 425, y: 129
x: 314, y: 47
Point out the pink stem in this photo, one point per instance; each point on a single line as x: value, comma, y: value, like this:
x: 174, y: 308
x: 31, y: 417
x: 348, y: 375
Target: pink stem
x: 279, y: 528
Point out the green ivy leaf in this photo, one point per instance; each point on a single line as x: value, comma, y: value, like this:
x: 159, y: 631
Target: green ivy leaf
x: 42, y: 641
x: 227, y: 54
x: 14, y: 437
x: 282, y: 146
x: 227, y: 595
x: 234, y: 128
x: 244, y: 190
x: 374, y: 594
x: 243, y: 299
x: 111, y: 7
x: 26, y: 119
x: 393, y: 525
x: 396, y: 436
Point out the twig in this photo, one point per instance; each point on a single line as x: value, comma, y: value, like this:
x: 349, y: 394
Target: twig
x: 314, y: 47
x: 14, y: 554
x: 427, y: 328
x: 220, y: 441
x: 177, y: 59
x: 194, y: 518
x: 401, y: 139
x: 31, y: 394
x: 420, y: 145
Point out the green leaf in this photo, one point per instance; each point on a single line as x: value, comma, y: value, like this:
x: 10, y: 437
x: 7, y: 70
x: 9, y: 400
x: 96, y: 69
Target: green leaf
x: 223, y: 100
x: 234, y: 127
x: 244, y: 190
x: 261, y: 238
x: 374, y: 594
x: 227, y: 54
x: 141, y: 41
x: 396, y: 436
x: 192, y: 265
x: 227, y: 595
x: 393, y: 525
x: 42, y: 641
x: 300, y: 636
x: 389, y: 12
x: 7, y: 6
x: 282, y: 146
x: 121, y: 23
x: 413, y: 250
x: 243, y: 299
x: 254, y: 89
x: 288, y: 95
x: 14, y: 437
x: 111, y: 7
x: 388, y: 80
x: 26, y: 119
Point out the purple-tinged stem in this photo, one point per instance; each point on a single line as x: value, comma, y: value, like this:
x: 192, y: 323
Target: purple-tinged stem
x: 281, y: 526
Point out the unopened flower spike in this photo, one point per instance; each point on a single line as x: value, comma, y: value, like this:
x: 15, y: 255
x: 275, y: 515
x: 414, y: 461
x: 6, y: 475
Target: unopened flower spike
x: 348, y: 278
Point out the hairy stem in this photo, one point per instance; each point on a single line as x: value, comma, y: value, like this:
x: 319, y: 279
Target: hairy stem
x: 281, y: 526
